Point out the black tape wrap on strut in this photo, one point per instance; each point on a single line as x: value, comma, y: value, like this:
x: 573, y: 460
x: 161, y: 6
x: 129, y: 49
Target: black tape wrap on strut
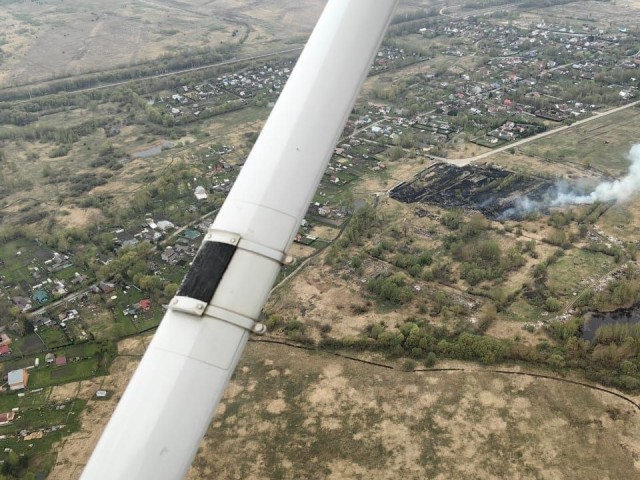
x: 207, y: 270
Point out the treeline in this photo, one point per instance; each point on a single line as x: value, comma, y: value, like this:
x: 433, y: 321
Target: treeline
x: 162, y: 65
x: 414, y: 15
x: 477, y: 4
x: 60, y: 135
x: 622, y: 292
x: 22, y: 114
x: 132, y: 264
x: 410, y: 22
x: 612, y: 359
x: 420, y: 340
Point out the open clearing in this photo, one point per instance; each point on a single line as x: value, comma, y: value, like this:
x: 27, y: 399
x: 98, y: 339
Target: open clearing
x: 293, y: 414
x: 44, y: 40
x: 602, y: 144
x: 75, y: 449
x: 290, y: 413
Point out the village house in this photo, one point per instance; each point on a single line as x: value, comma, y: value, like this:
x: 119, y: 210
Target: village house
x: 130, y: 310
x: 169, y: 255
x: 191, y: 234
x: 144, y: 305
x: 5, y: 339
x: 164, y: 225
x: 18, y: 379
x: 106, y: 287
x: 200, y: 193
x: 21, y: 302
x: 77, y: 279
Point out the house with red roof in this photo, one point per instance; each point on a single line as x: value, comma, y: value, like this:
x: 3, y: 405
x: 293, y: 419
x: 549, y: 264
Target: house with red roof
x: 144, y: 305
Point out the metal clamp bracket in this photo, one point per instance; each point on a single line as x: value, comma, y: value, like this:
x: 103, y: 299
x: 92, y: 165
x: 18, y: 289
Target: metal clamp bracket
x: 188, y: 305
x: 248, y: 245
x: 196, y: 307
x: 235, y: 319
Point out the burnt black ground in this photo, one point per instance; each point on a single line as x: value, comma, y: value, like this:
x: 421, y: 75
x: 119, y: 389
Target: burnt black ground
x: 489, y: 190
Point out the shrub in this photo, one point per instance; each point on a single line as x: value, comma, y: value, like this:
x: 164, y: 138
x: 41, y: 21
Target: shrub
x: 409, y: 365
x: 431, y: 360
x: 552, y: 304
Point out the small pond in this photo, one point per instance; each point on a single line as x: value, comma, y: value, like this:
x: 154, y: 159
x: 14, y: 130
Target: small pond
x: 597, y: 319
x: 154, y: 150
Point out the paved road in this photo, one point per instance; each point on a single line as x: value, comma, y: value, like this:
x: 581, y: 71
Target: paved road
x: 69, y: 297
x: 77, y: 294
x: 188, y: 225
x: 468, y: 160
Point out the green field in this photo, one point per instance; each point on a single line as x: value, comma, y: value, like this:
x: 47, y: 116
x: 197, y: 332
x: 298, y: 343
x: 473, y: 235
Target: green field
x: 577, y: 269
x: 52, y: 375
x: 602, y: 144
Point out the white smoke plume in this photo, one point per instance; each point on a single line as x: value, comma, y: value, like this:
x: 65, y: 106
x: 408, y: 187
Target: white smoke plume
x: 618, y: 190
x: 563, y: 194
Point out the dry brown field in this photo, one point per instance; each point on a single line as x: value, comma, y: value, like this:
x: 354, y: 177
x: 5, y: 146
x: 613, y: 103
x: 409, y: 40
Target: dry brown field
x: 45, y: 40
x: 290, y: 413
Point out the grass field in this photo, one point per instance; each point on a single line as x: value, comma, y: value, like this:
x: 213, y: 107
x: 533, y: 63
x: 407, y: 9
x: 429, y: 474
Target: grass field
x: 47, y: 376
x: 577, y: 270
x: 53, y: 337
x: 603, y: 144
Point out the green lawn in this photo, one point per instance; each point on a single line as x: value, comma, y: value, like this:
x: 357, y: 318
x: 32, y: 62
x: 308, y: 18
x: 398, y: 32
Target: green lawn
x: 45, y: 376
x: 27, y: 345
x: 603, y: 144
x: 81, y: 350
x: 11, y: 400
x: 53, y: 337
x: 574, y: 271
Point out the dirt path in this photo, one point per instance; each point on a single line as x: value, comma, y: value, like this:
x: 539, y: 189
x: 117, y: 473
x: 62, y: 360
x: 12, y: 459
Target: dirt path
x: 635, y: 402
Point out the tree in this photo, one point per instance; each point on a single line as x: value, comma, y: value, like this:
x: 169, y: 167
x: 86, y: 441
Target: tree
x: 12, y: 464
x: 396, y: 153
x: 150, y: 283
x: 409, y: 365
x: 627, y: 367
x: 28, y: 326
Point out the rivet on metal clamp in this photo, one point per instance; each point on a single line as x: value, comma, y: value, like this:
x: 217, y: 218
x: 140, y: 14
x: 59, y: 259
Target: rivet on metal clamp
x: 235, y: 319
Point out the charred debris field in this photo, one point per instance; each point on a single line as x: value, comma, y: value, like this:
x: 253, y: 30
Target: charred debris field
x: 491, y: 190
